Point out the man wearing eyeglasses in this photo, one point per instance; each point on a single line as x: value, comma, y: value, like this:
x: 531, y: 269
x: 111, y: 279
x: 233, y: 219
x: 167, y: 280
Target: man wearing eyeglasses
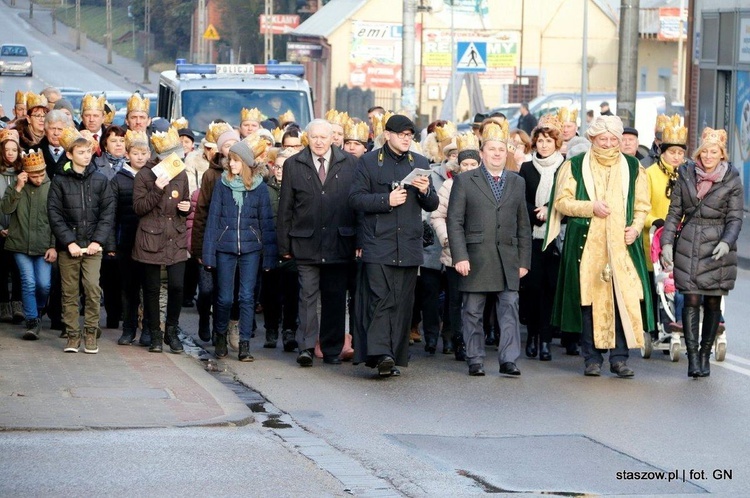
x: 391, y: 242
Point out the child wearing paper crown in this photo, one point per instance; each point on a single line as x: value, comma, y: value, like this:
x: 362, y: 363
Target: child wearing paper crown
x: 81, y: 212
x: 29, y: 237
x: 11, y: 309
x: 161, y: 197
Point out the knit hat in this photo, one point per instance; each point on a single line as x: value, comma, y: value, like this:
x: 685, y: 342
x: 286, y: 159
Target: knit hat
x: 578, y: 145
x: 469, y: 154
x: 227, y: 135
x: 244, y: 152
x: 186, y: 132
x: 64, y: 104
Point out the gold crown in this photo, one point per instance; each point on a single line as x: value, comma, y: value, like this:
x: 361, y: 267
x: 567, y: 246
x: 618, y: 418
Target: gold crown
x: 335, y: 117
x: 674, y: 132
x: 215, y: 130
x: 445, y: 132
x: 136, y: 103
x: 69, y: 136
x: 20, y: 97
x: 34, y: 100
x: 497, y: 132
x: 257, y: 143
x: 33, y: 161
x: 9, y: 134
x: 164, y: 141
x: 180, y: 123
x: 467, y: 141
x: 91, y: 103
x: 356, y: 131
x: 711, y: 136
x: 378, y: 123
x: 661, y: 122
x: 109, y: 113
x: 287, y: 117
x: 136, y: 138
x: 253, y: 114
x: 550, y: 121
x: 566, y: 115
x: 278, y: 134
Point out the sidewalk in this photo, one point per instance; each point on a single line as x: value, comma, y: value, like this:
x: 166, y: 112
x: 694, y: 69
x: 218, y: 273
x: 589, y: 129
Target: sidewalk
x: 91, y: 53
x: 119, y: 387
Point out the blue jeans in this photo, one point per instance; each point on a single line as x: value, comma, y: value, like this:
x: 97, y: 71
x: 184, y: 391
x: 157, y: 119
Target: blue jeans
x: 36, y: 278
x: 226, y: 265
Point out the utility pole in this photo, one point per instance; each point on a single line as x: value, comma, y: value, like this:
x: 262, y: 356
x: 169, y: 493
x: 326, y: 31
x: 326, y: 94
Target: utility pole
x: 408, y: 91
x: 584, y: 69
x: 109, y: 31
x: 454, y: 63
x: 31, y: 9
x: 78, y: 24
x: 201, y: 29
x: 691, y: 100
x: 627, y: 65
x: 147, y: 42
x: 268, y: 34
x: 680, y: 58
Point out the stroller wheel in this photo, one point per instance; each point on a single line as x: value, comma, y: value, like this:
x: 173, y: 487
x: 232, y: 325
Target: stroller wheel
x: 674, y: 351
x: 648, y: 345
x: 720, y: 351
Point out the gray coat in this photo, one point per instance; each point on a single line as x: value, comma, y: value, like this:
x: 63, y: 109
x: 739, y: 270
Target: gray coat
x: 495, y: 237
x: 432, y: 252
x: 719, y: 220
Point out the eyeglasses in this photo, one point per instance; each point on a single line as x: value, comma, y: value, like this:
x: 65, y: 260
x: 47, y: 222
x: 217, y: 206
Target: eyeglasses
x: 38, y: 116
x: 404, y: 135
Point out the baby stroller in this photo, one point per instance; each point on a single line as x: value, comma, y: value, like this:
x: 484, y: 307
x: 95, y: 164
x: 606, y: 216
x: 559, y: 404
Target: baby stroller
x: 670, y: 340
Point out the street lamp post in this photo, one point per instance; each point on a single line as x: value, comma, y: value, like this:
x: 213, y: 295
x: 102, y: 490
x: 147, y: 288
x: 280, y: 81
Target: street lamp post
x: 78, y: 24
x: 109, y: 31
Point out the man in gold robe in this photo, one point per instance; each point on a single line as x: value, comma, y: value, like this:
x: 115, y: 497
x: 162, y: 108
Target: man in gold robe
x: 603, y: 281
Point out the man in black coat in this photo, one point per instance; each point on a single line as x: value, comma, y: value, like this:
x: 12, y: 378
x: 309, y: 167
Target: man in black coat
x: 526, y: 121
x: 316, y: 227
x: 54, y: 153
x: 391, y: 240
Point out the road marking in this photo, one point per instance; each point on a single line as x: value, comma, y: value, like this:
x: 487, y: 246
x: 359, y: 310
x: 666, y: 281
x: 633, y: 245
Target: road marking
x: 729, y: 366
x: 54, y: 53
x: 737, y: 359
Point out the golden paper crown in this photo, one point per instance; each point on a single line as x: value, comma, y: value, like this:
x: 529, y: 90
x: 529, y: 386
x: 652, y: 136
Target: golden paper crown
x: 180, y: 123
x: 20, y: 97
x: 714, y: 137
x: 109, y: 113
x: 445, y: 132
x: 550, y: 122
x: 497, y: 132
x: 661, y: 122
x: 467, y: 141
x: 335, y: 117
x: 356, y: 131
x: 135, y: 138
x: 215, y: 130
x: 33, y: 161
x: 34, y: 100
x: 278, y: 134
x: 9, y: 134
x: 69, y: 136
x: 257, y: 143
x: 164, y: 141
x: 303, y: 139
x: 674, y: 132
x: 253, y: 114
x: 91, y: 103
x: 378, y: 123
x: 137, y: 103
x: 566, y: 115
x: 287, y: 117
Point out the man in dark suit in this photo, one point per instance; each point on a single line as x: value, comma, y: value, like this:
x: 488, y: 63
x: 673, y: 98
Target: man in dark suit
x: 490, y: 240
x: 54, y: 153
x: 391, y: 240
x: 316, y: 227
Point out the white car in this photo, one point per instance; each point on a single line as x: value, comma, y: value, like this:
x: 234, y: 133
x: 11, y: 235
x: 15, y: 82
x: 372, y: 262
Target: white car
x: 15, y: 59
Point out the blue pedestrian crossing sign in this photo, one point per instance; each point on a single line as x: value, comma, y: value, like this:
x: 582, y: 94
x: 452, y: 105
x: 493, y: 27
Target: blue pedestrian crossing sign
x: 472, y: 57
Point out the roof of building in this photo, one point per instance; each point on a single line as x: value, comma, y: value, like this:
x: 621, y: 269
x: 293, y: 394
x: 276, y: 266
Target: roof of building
x: 327, y: 20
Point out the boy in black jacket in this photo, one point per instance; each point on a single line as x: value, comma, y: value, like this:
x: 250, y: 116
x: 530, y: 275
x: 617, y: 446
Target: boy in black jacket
x: 81, y: 212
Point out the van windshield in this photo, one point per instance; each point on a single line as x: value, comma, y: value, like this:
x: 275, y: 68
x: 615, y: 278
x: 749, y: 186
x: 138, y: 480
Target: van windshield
x: 201, y: 107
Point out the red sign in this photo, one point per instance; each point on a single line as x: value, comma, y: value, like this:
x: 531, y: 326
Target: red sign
x: 374, y: 75
x: 280, y: 24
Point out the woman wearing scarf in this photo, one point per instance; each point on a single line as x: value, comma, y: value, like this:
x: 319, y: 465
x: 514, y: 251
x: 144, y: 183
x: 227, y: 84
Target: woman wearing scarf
x: 31, y: 129
x: 603, y: 282
x: 538, y: 286
x: 239, y: 233
x: 707, y: 203
x: 112, y: 142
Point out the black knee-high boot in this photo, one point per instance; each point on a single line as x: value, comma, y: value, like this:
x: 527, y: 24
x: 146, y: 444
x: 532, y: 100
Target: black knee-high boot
x: 708, y: 335
x: 690, y: 325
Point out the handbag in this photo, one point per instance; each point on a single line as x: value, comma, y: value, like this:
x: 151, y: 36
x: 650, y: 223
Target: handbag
x: 428, y: 234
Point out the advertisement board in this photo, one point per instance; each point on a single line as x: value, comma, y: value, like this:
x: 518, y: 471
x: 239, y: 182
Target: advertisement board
x: 375, y: 56
x: 501, y: 53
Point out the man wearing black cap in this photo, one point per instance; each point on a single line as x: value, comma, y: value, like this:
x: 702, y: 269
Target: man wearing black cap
x: 604, y: 109
x: 629, y: 142
x: 187, y: 138
x: 391, y: 242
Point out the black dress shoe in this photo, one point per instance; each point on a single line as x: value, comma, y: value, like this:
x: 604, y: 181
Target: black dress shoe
x: 395, y: 372
x: 476, y: 370
x: 305, y: 358
x: 509, y: 368
x: 571, y: 349
x: 385, y: 366
x: 531, y: 347
x: 544, y: 353
x: 430, y: 347
x: 332, y: 360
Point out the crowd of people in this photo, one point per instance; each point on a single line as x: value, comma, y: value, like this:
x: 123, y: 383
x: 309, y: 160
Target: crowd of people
x: 470, y: 235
